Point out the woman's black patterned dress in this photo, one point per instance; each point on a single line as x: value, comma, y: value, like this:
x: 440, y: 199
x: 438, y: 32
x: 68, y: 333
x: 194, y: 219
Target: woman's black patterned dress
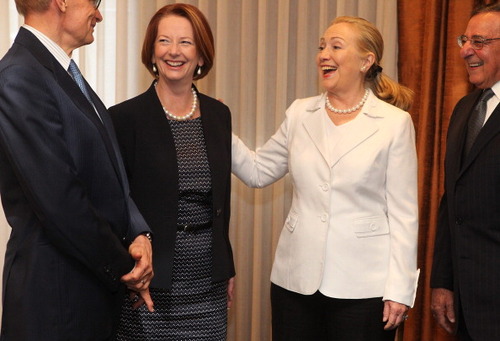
x: 195, y: 308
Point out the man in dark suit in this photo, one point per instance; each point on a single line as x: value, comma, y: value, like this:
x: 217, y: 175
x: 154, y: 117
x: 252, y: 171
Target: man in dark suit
x: 466, y: 268
x: 76, y: 237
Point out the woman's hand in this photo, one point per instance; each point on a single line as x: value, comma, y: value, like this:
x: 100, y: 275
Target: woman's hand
x: 394, y: 314
x: 230, y: 294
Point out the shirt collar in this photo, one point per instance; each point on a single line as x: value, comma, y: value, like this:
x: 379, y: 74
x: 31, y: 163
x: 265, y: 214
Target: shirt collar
x: 496, y: 89
x: 52, y: 46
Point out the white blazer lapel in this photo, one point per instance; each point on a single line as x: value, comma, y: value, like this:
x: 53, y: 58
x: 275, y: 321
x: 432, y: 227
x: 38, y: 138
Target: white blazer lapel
x: 364, y: 127
x: 314, y: 127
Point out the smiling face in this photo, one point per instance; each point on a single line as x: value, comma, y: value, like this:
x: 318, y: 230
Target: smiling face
x: 79, y: 21
x: 339, y: 60
x: 175, y: 53
x: 483, y: 65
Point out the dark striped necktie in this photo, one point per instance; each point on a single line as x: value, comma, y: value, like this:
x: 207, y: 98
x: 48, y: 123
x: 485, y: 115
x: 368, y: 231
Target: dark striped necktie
x: 476, y: 120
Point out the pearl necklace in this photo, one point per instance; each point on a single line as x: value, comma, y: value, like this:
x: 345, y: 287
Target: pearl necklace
x: 346, y: 111
x: 189, y: 114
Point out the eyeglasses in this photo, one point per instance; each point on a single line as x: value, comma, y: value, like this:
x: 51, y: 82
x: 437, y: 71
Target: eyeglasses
x: 96, y: 3
x: 476, y: 42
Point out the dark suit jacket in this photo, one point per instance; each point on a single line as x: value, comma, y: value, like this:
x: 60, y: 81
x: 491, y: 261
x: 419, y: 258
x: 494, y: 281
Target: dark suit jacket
x: 65, y: 195
x: 148, y: 150
x: 467, y: 249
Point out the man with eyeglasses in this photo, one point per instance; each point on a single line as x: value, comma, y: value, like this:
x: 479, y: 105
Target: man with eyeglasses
x: 78, y: 241
x: 466, y: 267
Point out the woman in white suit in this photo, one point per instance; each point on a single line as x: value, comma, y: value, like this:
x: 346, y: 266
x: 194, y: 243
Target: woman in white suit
x: 345, y: 267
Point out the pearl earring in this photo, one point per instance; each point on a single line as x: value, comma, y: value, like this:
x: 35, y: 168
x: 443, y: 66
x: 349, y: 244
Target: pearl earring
x: 155, y: 70
x: 199, y: 70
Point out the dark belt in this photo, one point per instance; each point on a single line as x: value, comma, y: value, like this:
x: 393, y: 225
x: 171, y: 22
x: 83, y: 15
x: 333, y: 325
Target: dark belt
x: 193, y: 227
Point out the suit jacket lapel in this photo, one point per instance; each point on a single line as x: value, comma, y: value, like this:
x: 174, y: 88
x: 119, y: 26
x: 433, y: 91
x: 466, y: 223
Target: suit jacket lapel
x: 30, y: 42
x: 214, y: 134
x: 102, y: 121
x: 458, y: 131
x: 77, y: 96
x: 489, y: 130
x: 457, y: 134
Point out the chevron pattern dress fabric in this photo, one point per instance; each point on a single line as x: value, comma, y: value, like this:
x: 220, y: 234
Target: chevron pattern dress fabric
x: 194, y: 309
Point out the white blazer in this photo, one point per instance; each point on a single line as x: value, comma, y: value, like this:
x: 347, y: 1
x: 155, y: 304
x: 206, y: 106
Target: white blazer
x: 364, y: 192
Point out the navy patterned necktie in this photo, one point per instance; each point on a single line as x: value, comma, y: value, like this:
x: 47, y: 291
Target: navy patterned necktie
x: 78, y: 78
x: 477, y: 119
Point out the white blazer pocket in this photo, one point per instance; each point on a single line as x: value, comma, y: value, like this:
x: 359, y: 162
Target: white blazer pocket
x: 371, y: 226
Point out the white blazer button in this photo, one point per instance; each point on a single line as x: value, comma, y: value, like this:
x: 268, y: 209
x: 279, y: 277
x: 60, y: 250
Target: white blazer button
x: 373, y: 226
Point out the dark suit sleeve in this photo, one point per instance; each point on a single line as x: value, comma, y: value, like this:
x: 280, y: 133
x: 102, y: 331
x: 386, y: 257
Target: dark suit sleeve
x: 442, y: 269
x: 137, y: 223
x: 32, y: 134
x: 124, y: 127
x: 442, y: 264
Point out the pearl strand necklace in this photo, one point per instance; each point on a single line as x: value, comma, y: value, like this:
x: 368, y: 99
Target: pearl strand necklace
x: 189, y: 114
x: 346, y: 111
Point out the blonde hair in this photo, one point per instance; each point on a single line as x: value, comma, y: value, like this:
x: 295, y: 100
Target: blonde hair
x: 370, y: 40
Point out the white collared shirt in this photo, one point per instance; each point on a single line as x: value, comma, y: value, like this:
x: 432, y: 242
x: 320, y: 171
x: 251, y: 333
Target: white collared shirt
x: 493, y: 101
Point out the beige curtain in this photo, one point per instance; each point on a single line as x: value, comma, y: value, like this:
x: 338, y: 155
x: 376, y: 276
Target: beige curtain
x: 265, y: 58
